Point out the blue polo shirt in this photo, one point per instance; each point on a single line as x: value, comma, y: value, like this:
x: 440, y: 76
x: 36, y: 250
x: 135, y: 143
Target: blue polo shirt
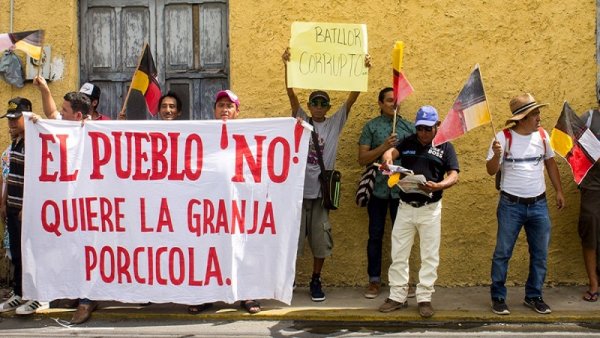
x: 431, y: 162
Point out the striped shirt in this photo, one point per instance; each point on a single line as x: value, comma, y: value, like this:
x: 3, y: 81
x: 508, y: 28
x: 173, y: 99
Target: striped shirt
x: 15, y: 179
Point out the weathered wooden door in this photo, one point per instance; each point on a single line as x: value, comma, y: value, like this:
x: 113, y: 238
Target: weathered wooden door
x: 188, y: 39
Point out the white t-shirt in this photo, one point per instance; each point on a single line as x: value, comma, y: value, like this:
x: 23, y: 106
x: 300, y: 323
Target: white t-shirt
x: 329, y: 133
x: 523, y: 178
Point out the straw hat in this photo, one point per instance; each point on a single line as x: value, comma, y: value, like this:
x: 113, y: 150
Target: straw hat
x: 522, y: 105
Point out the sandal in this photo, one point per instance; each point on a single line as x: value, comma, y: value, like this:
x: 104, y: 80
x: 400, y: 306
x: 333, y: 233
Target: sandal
x: 591, y: 296
x: 251, y: 306
x: 196, y: 309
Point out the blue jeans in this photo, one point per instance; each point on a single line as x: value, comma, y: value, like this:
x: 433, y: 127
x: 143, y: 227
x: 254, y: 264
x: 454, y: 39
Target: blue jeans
x: 377, y: 210
x: 536, y: 221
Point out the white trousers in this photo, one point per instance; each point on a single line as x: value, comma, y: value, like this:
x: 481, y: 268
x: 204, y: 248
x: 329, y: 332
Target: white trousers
x: 425, y: 220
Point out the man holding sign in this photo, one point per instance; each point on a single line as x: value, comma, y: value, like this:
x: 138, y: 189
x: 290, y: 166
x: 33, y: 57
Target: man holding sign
x: 314, y: 223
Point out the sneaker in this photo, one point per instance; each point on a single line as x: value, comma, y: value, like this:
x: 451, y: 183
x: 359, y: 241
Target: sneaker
x: 537, y: 304
x: 373, y: 290
x: 11, y: 304
x: 391, y: 305
x: 316, y: 292
x: 425, y: 309
x: 499, y: 306
x: 32, y: 306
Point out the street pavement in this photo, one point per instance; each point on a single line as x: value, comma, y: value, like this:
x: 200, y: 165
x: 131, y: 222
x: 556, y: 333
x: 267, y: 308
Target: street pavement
x: 347, y: 304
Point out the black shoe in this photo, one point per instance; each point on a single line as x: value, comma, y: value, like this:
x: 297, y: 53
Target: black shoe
x: 316, y: 292
x: 499, y: 306
x: 537, y: 304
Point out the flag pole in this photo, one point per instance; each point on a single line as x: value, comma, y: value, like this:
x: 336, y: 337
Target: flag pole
x: 394, y: 122
x: 42, y: 54
x: 487, y: 104
x: 397, y: 58
x: 122, y: 115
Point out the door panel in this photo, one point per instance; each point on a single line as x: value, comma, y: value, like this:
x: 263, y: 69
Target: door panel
x: 188, y: 40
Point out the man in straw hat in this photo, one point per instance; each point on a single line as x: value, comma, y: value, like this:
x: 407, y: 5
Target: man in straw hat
x: 521, y: 152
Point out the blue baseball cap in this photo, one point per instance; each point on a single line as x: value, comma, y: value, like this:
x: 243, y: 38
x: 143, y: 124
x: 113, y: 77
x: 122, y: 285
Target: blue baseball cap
x: 426, y: 116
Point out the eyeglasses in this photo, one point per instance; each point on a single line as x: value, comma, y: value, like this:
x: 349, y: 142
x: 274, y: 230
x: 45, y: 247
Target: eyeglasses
x: 316, y: 103
x: 424, y: 128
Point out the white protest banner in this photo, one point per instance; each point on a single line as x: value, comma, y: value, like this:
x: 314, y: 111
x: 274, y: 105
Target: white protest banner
x: 145, y: 211
x: 328, y: 56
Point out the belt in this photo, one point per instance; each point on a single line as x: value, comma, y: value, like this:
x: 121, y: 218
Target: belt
x: 523, y: 200
x: 418, y: 204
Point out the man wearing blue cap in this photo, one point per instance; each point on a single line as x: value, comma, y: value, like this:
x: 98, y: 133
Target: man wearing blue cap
x: 419, y: 211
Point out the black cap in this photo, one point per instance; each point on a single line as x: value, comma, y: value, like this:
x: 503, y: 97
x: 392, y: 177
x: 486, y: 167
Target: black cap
x: 92, y: 91
x: 319, y: 94
x: 16, y: 107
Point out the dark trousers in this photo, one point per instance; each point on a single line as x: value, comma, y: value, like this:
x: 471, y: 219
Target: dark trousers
x: 14, y: 233
x: 377, y: 209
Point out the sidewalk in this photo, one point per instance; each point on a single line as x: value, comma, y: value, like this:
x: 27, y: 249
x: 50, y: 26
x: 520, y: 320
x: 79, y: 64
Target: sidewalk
x: 463, y: 304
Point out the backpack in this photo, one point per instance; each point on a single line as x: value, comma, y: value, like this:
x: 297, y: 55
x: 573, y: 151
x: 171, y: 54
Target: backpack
x: 508, y: 136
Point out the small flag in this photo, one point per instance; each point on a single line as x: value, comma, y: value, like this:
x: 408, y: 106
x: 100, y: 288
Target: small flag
x: 402, y: 88
x: 470, y: 110
x: 574, y: 141
x: 146, y: 82
x: 29, y: 42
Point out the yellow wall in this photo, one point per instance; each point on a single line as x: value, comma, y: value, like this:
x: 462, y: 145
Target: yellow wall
x: 61, y: 26
x: 544, y: 47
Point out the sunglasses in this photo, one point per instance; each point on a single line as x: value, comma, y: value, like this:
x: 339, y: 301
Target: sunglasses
x: 424, y: 128
x: 316, y: 103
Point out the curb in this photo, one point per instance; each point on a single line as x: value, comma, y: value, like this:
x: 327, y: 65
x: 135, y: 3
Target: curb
x: 334, y: 315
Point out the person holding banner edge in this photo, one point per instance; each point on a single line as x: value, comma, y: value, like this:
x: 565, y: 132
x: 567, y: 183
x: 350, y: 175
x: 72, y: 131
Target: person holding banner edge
x: 75, y: 107
x: 12, y: 209
x: 315, y: 225
x: 376, y: 138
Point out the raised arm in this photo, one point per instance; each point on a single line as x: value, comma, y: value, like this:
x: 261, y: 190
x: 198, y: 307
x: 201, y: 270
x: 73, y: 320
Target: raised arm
x: 48, y: 103
x: 294, y: 102
x: 354, y: 95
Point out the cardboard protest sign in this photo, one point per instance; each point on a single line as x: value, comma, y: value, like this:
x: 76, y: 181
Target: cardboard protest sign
x: 186, y: 211
x: 328, y: 56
